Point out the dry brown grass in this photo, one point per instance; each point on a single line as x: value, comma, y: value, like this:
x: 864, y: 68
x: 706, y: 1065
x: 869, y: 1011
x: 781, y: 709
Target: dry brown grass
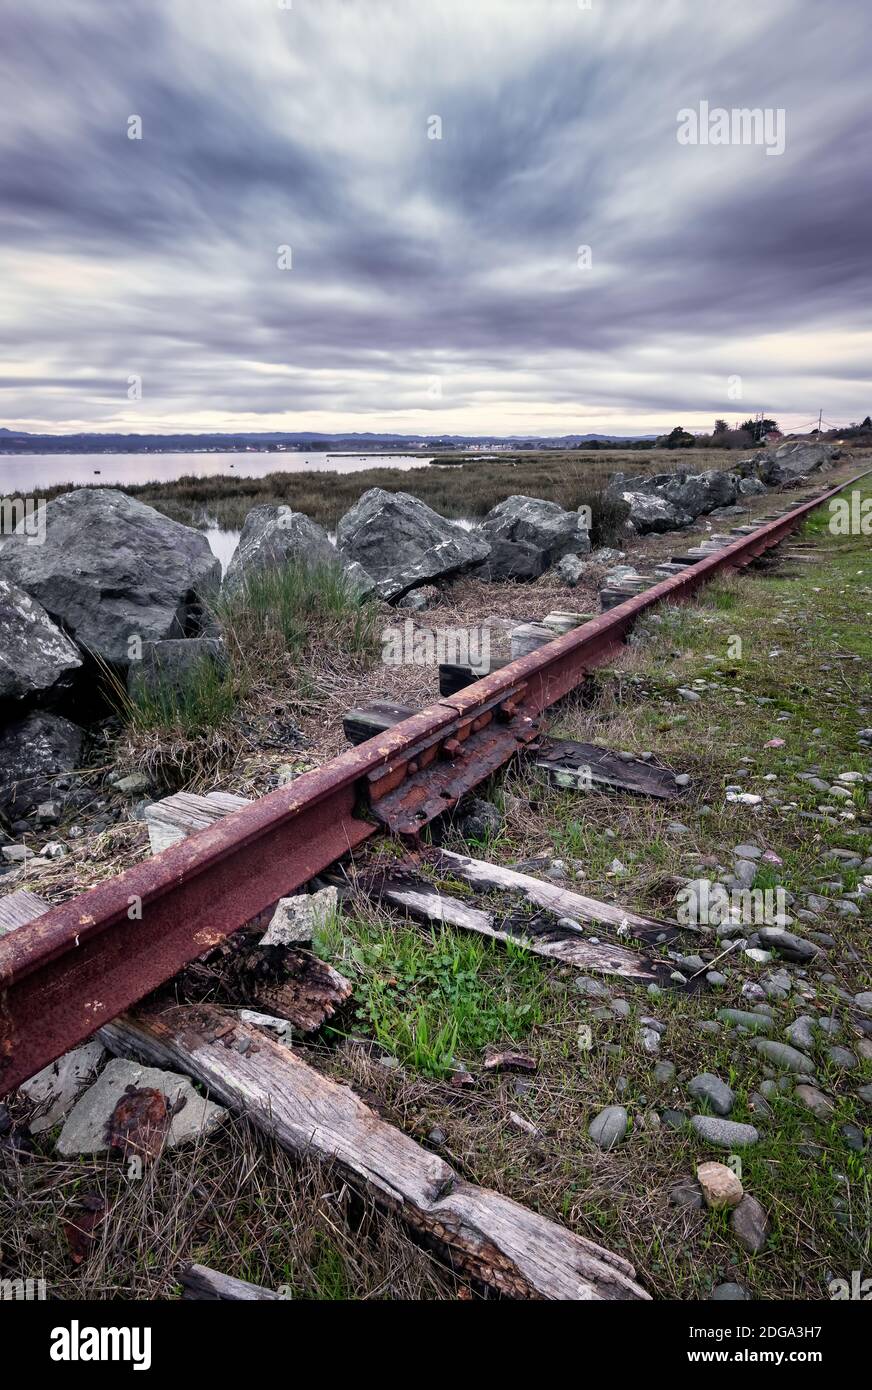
x: 237, y: 1202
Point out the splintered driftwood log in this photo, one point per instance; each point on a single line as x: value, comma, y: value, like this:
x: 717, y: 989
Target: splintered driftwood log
x: 210, y: 1285
x: 486, y: 1236
x: 565, y: 902
x: 421, y: 900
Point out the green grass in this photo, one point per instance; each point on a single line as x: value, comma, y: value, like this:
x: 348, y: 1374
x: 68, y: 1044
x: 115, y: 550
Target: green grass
x: 434, y: 999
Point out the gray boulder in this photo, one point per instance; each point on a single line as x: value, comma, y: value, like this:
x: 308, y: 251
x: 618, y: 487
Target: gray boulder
x: 34, y: 654
x: 650, y: 512
x: 608, y: 1127
x: 359, y: 582
x: 569, y: 570
x: 533, y: 522
x: 709, y: 1087
x: 512, y: 561
x: 724, y: 1134
x: 33, y: 752
x: 751, y: 487
x: 792, y: 947
x: 402, y: 543
x: 169, y: 667
x: 112, y: 569
x: 791, y: 461
x: 690, y: 494
x: 700, y: 493
x: 273, y: 536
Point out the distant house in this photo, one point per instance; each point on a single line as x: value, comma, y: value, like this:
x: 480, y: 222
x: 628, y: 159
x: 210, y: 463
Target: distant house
x: 773, y: 437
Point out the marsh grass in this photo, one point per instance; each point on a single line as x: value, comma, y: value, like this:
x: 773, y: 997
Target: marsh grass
x: 287, y: 611
x: 285, y: 632
x: 205, y: 699
x: 462, y: 490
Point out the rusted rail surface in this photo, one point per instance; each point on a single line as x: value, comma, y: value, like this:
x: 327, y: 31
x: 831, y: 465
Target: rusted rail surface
x: 84, y: 962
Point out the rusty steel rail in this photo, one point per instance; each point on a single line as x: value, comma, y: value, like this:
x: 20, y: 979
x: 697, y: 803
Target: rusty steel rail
x: 85, y: 961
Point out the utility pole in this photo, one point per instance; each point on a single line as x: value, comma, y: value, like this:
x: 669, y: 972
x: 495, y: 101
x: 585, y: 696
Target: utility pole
x: 820, y: 421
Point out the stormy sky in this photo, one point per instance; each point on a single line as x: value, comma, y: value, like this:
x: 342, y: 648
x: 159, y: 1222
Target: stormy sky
x: 367, y: 215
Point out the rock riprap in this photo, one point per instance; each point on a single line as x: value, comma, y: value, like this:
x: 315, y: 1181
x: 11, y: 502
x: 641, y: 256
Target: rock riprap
x: 33, y: 753
x: 528, y: 535
x: 402, y: 543
x: 112, y: 571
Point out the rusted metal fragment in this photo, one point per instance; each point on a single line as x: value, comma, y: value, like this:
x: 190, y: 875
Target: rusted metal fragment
x: 81, y: 1228
x: 423, y: 795
x: 588, y: 766
x: 139, y: 1123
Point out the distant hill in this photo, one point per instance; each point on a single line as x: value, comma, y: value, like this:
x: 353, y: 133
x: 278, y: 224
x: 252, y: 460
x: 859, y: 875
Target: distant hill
x: 21, y: 442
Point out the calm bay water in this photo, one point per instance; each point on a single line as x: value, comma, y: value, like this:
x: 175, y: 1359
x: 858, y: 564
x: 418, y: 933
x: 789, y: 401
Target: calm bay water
x: 23, y: 473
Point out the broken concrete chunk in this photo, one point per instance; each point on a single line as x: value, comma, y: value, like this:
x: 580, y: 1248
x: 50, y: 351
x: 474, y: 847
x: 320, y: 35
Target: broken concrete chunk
x: 56, y: 1088
x: 87, y: 1128
x: 297, y: 919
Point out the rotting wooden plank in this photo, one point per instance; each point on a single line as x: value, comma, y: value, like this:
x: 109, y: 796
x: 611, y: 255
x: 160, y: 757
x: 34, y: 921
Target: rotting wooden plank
x: 365, y: 721
x: 201, y: 1283
x: 565, y: 902
x: 287, y: 981
x: 584, y: 766
x: 176, y: 817
x: 454, y: 676
x: 485, y: 1235
x: 562, y: 944
x: 292, y: 983
x: 19, y: 908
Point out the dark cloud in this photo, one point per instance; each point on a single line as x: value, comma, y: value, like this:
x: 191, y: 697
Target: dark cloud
x: 419, y: 261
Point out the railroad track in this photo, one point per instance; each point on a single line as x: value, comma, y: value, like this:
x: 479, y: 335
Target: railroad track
x: 76, y: 967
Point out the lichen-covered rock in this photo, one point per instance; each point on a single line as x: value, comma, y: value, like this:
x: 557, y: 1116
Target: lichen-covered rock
x: 650, y: 513
x: 273, y: 536
x: 514, y: 562
x: 35, y: 655
x: 402, y: 543
x: 527, y: 527
x: 796, y: 460
x: 33, y: 753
